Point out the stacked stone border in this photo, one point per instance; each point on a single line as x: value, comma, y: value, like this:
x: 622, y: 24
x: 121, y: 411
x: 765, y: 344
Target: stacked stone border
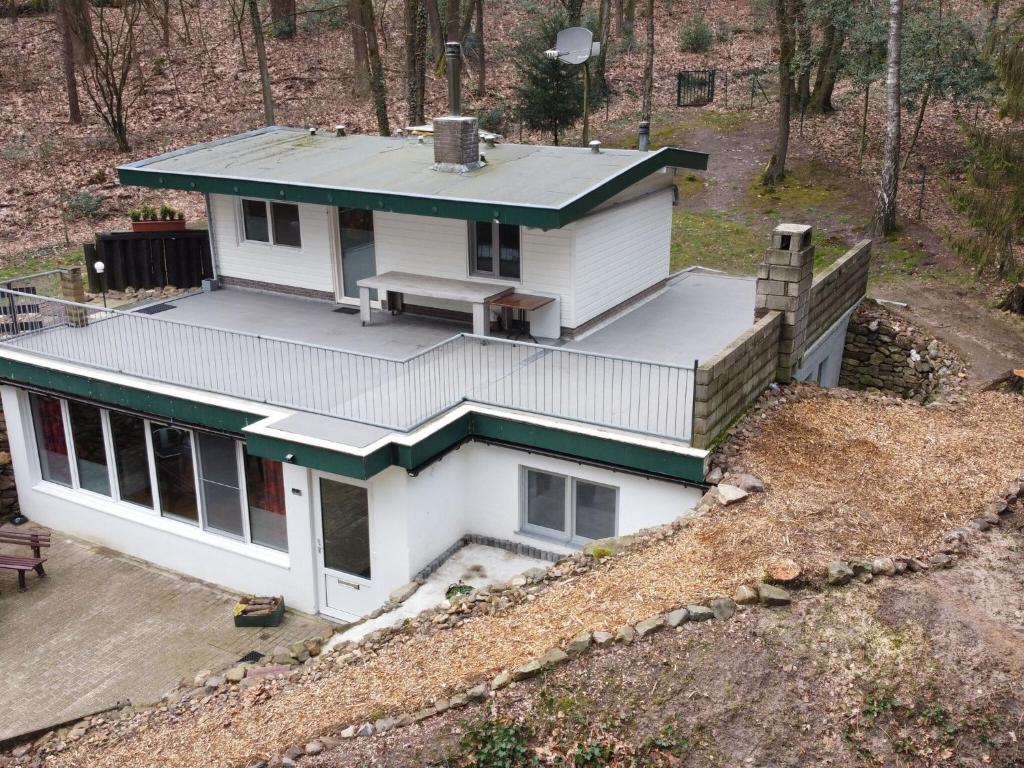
x: 307, y: 659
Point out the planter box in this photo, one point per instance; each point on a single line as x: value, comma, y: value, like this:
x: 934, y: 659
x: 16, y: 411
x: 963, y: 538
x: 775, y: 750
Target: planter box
x: 171, y: 225
x: 270, y: 620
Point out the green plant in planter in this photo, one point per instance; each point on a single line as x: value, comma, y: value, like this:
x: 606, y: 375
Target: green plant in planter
x: 166, y: 212
x: 149, y: 213
x: 180, y: 216
x: 135, y: 214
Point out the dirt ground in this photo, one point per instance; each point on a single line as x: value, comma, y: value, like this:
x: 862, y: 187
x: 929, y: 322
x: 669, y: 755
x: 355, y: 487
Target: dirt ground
x: 922, y: 670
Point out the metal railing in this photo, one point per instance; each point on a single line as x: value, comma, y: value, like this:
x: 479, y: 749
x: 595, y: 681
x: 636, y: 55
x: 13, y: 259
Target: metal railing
x: 621, y: 393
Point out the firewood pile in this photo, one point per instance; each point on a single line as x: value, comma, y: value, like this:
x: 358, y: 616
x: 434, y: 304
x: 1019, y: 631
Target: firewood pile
x: 257, y: 606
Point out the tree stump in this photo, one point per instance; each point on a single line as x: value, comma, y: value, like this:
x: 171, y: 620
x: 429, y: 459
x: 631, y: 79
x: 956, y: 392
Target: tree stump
x: 782, y: 570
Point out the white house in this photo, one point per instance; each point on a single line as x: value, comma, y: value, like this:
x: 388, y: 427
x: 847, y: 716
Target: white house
x: 264, y: 436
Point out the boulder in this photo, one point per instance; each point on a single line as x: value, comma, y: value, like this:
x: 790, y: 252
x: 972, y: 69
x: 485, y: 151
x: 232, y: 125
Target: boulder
x: 477, y: 692
x: 647, y: 626
x: 747, y: 482
x: 527, y: 670
x: 553, y: 658
x: 366, y: 729
x: 603, y: 638
x: 714, y: 476
x: 625, y: 634
x: 745, y: 595
x: 676, y: 617
x: 730, y: 494
x: 500, y: 680
x: 282, y: 655
x: 772, y: 595
x: 883, y: 566
x: 235, y: 674
x: 699, y: 613
x: 839, y: 573
x: 579, y: 644
x: 723, y: 607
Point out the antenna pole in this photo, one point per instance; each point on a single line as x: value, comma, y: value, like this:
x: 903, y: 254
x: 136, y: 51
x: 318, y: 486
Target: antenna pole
x: 586, y: 102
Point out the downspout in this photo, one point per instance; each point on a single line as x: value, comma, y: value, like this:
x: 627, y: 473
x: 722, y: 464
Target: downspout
x: 209, y: 234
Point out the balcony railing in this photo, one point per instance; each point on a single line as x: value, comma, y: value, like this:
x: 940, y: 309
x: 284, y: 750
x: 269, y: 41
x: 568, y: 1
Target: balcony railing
x: 634, y: 395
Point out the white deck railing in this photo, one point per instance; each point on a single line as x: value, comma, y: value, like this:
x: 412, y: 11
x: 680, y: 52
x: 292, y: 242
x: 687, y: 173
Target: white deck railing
x: 621, y: 393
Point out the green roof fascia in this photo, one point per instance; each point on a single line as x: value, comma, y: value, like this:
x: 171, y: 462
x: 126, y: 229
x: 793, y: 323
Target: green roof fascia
x: 315, y: 457
x: 136, y: 174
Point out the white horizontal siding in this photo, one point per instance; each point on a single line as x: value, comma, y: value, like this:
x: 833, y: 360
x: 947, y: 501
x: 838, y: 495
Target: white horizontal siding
x: 620, y: 253
x: 547, y: 266
x: 305, y: 267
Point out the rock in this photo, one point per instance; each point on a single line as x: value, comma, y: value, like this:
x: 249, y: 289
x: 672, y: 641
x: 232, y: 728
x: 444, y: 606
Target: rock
x: 979, y: 524
x: 723, y: 607
x: 404, y: 592
x: 747, y: 482
x: 839, y: 573
x: 366, y: 729
x: 348, y: 733
x: 294, y: 751
x: 745, y: 595
x: 282, y: 655
x: 214, y: 682
x: 313, y: 646
x: 991, y: 518
x: 528, y: 670
x: 699, y: 613
x: 200, y: 678
x: 647, y: 626
x: 314, y: 748
x: 861, y: 567
x: 477, y: 692
x: 772, y: 595
x: 883, y: 566
x: 714, y: 477
x: 535, y: 574
x: 500, y: 680
x: 917, y: 566
x: 783, y: 570
x: 730, y: 494
x: 457, y: 701
x: 625, y: 634
x: 271, y: 670
x: 676, y: 617
x: 21, y: 751
x: 553, y: 658
x: 235, y: 674
x: 579, y: 644
x: 603, y: 638
x: 385, y: 724
x: 941, y: 561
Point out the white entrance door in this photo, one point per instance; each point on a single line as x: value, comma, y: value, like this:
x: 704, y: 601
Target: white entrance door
x: 343, y: 547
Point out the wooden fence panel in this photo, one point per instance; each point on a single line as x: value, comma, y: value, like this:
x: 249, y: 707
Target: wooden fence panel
x: 144, y: 260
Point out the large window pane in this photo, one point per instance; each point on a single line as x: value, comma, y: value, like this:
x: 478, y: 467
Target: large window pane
x: 358, y: 257
x: 545, y: 500
x: 286, y: 224
x: 131, y: 462
x: 90, y: 449
x: 508, y: 261
x: 218, y: 480
x: 254, y: 218
x: 483, y: 249
x: 48, y: 422
x: 346, y: 524
x: 595, y: 510
x: 264, y: 486
x: 175, y: 478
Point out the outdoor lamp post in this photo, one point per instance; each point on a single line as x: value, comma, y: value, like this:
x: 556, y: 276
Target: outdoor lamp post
x: 99, y: 266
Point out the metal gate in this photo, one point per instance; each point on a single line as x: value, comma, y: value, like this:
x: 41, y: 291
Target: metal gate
x: 695, y: 87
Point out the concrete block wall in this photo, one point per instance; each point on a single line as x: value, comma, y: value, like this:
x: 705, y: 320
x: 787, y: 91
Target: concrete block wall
x: 783, y: 285
x: 730, y: 380
x: 838, y: 288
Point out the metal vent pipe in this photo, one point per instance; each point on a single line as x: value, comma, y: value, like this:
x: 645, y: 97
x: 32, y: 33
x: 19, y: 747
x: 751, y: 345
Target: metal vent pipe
x: 453, y: 56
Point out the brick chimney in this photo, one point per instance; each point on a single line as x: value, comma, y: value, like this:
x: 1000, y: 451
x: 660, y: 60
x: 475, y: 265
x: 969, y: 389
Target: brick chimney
x: 784, y: 284
x: 456, y: 138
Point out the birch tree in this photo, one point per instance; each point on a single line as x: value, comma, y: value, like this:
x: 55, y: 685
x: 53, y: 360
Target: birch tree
x: 884, y: 222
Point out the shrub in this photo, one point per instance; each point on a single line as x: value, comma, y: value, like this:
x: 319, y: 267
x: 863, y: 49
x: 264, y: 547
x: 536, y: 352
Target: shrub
x: 18, y: 151
x: 84, y: 204
x: 494, y: 118
x: 592, y: 755
x: 697, y: 36
x: 498, y: 744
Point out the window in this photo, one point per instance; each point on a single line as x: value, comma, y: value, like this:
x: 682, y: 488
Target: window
x: 568, y: 508
x: 175, y: 472
x: 261, y: 219
x: 494, y: 249
x: 345, y: 514
x: 264, y: 489
x: 50, y: 439
x: 90, y: 449
x: 131, y: 458
x: 200, y: 478
x: 218, y: 481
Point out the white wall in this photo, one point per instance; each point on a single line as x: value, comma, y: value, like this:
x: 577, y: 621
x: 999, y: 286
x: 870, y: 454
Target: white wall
x: 621, y: 252
x: 307, y: 267
x: 177, y: 546
x: 823, y: 360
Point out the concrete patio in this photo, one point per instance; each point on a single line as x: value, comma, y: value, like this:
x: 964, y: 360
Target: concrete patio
x: 103, y: 628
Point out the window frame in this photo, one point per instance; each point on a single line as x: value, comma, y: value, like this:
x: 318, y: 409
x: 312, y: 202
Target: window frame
x: 569, y: 535
x: 495, y: 274
x: 156, y: 511
x: 271, y: 240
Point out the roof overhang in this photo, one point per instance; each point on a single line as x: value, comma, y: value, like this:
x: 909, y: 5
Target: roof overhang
x: 149, y: 173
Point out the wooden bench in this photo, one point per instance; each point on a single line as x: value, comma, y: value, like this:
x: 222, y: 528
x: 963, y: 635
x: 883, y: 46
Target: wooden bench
x: 35, y: 539
x: 397, y: 284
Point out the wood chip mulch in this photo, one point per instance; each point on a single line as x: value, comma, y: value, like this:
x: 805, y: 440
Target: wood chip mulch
x: 844, y: 478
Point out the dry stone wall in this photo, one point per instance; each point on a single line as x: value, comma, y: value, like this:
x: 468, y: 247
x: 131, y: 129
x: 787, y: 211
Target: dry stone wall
x: 886, y: 354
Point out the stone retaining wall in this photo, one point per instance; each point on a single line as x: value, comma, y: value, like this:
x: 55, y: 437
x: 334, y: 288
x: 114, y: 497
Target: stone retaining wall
x: 837, y: 289
x: 884, y: 353
x: 729, y: 381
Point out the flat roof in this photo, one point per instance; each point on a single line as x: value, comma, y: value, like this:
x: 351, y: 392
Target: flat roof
x: 528, y: 184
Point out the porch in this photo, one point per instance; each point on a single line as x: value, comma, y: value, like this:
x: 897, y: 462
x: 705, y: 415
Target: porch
x: 632, y: 373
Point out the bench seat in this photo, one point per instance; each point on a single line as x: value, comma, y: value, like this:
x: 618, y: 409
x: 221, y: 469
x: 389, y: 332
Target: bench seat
x: 22, y: 565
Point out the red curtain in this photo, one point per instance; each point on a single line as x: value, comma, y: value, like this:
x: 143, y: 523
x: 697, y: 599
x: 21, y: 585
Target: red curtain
x: 273, y: 486
x: 51, y: 425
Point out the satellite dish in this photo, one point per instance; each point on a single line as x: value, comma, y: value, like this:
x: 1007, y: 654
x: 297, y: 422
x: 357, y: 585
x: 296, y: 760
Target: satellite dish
x: 574, y: 45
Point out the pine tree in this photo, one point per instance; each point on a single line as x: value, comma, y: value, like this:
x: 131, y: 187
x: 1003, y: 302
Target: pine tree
x: 550, y: 93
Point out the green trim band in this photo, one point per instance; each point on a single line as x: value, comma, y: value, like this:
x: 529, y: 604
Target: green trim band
x: 567, y: 443
x: 137, y: 174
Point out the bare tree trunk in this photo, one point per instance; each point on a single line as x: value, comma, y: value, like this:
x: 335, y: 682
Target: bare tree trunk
x: 885, y: 214
x: 648, y: 96
x: 360, y: 56
x: 784, y: 21
x: 378, y: 86
x: 481, y: 79
x: 282, y: 17
x: 803, y: 32
x: 436, y: 28
x: 452, y: 27
x: 828, y: 70
x: 864, y: 126
x: 261, y: 58
x: 573, y: 12
x: 604, y: 22
x: 917, y: 125
x: 628, y: 19
x: 415, y: 60
x: 68, y: 54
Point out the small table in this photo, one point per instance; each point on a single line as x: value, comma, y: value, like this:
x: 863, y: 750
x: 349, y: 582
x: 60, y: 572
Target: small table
x: 518, y: 304
x: 479, y: 294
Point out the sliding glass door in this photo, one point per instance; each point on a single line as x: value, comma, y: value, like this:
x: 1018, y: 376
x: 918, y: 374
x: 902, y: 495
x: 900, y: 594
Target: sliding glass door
x: 358, y: 256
